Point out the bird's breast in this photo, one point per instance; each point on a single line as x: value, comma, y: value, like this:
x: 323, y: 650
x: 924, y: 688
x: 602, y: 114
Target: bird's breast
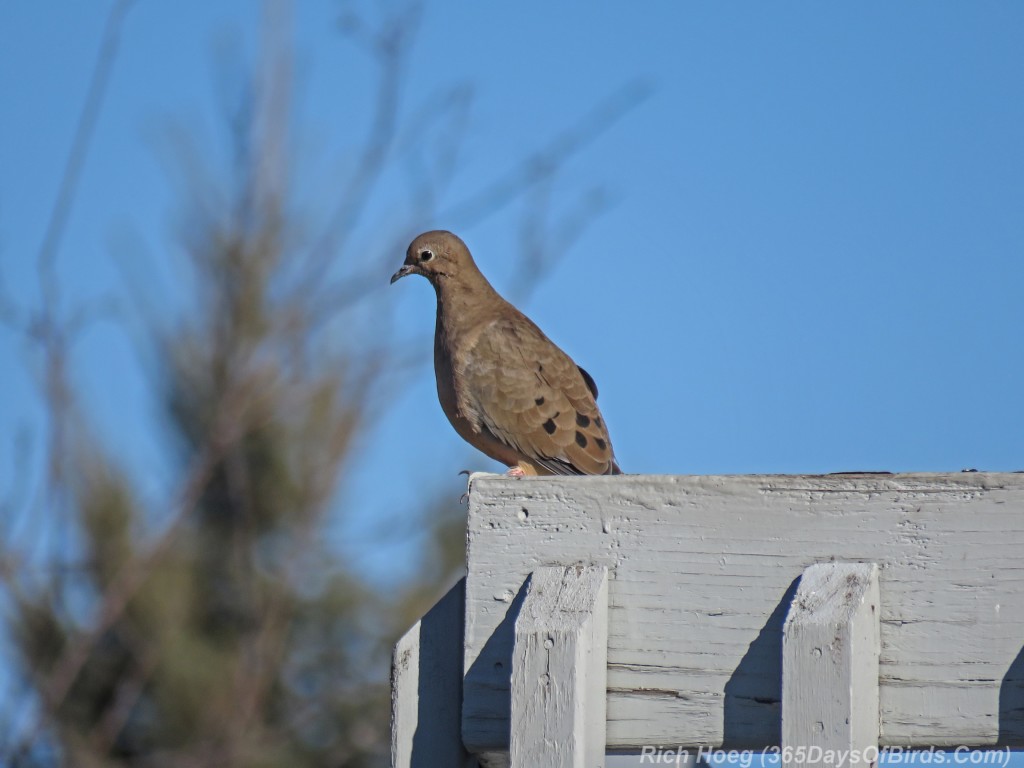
x: 445, y: 375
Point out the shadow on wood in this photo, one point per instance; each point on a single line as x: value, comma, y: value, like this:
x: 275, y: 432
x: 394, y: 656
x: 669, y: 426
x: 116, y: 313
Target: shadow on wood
x: 490, y: 677
x: 441, y: 680
x: 426, y: 680
x: 752, y: 717
x: 1011, y: 705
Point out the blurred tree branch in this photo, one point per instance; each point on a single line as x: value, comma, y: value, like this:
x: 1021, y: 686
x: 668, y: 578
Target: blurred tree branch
x: 220, y: 629
x: 98, y: 82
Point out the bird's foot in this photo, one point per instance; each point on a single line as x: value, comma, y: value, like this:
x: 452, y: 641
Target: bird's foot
x: 515, y: 471
x: 464, y: 498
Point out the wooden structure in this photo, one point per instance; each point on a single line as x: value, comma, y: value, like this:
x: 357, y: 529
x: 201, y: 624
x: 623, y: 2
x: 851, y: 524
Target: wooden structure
x: 631, y: 616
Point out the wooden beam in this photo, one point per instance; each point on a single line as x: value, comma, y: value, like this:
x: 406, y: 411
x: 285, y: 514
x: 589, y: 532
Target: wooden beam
x: 702, y: 571
x: 426, y: 689
x: 559, y: 670
x: 830, y: 649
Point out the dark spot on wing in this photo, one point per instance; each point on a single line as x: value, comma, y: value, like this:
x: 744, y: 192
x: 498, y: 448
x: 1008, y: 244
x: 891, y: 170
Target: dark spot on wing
x: 539, y: 401
x: 549, y: 426
x: 600, y: 443
x: 589, y: 380
x: 583, y: 421
x: 597, y: 421
x: 581, y: 440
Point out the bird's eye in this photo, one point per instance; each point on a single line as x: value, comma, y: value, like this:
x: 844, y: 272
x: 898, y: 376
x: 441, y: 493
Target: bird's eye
x: 426, y: 255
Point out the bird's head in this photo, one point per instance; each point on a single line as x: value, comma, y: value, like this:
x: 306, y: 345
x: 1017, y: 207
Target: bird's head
x: 435, y: 255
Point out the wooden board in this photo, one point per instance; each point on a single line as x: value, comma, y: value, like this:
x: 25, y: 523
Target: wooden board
x: 559, y: 670
x: 426, y: 691
x: 701, y: 572
x: 830, y: 646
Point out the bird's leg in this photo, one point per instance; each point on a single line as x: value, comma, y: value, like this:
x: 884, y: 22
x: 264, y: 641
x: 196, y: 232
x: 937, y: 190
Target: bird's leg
x: 516, y: 471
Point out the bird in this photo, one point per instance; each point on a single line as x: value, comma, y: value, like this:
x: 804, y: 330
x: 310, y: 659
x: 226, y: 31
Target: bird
x: 506, y: 388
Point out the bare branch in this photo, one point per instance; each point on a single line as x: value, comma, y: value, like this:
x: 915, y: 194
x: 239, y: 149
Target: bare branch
x: 129, y: 691
x: 17, y: 496
x: 543, y: 163
x: 535, y: 172
x: 390, y: 46
x: 10, y: 315
x: 545, y: 242
x: 127, y: 582
x: 433, y: 138
x: 79, y: 150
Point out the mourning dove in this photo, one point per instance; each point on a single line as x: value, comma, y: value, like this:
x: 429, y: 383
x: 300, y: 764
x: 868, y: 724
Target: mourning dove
x: 504, y: 386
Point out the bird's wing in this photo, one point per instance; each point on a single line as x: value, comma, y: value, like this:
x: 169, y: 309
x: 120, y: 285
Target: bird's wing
x: 532, y: 397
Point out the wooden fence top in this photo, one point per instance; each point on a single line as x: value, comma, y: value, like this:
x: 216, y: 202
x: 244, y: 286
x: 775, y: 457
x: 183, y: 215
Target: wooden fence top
x: 701, y: 571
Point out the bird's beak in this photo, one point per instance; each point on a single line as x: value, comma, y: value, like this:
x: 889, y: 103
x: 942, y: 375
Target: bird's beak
x: 406, y: 269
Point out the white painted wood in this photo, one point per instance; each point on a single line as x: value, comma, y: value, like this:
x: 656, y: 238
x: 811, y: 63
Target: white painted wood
x: 701, y: 572
x: 559, y: 666
x: 405, y: 673
x: 426, y: 689
x: 830, y: 648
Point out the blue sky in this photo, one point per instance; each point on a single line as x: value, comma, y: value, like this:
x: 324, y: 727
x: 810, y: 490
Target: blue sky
x: 812, y: 261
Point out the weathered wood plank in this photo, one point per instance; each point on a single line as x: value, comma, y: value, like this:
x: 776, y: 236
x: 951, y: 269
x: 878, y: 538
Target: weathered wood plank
x: 701, y: 570
x: 559, y: 670
x: 830, y: 648
x: 426, y: 689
